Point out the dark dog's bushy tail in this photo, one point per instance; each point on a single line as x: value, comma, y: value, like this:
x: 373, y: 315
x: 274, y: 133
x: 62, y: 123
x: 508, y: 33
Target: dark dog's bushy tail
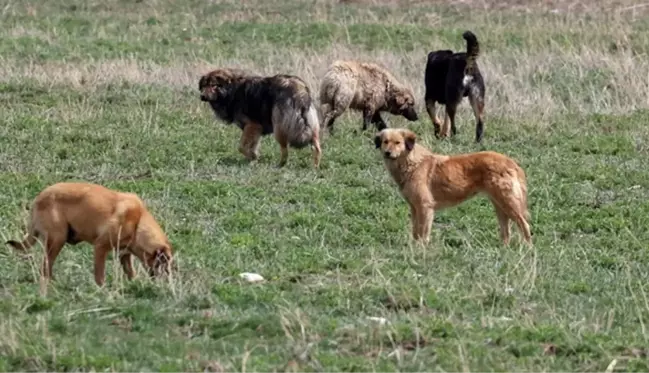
x: 472, y: 49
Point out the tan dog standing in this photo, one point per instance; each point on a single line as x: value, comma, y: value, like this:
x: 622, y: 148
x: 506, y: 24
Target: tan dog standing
x: 110, y: 220
x: 431, y: 182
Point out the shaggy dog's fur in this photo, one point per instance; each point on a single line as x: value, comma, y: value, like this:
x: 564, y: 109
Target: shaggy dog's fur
x: 364, y: 87
x: 449, y: 78
x: 430, y: 182
x: 110, y: 220
x: 279, y: 104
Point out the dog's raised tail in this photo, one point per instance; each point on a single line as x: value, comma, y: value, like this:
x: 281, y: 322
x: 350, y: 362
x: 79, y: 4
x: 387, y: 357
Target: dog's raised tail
x: 472, y: 49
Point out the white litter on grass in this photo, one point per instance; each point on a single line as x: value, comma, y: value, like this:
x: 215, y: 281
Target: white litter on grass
x: 251, y: 277
x: 380, y: 320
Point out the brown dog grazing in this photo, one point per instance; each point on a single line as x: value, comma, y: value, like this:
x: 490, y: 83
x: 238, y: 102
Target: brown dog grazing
x: 110, y: 220
x: 279, y: 104
x: 431, y: 182
x: 365, y: 87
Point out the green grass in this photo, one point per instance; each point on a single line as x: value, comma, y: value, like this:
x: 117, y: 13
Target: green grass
x: 106, y: 92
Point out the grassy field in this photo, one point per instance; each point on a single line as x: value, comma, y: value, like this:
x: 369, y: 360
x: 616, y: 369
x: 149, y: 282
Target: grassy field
x: 106, y: 91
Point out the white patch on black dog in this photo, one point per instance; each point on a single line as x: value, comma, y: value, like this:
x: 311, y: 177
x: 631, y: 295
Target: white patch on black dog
x: 467, y: 80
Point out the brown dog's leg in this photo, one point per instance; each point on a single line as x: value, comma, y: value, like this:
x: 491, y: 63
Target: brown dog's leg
x: 283, y: 147
x: 329, y: 114
x: 523, y: 226
x: 250, y: 139
x: 477, y: 104
x: 53, y: 246
x: 127, y: 265
x: 503, y: 222
x: 428, y: 215
x: 423, y: 219
x: 511, y: 207
x: 317, y: 151
x: 437, y: 124
x: 101, y: 253
x: 414, y: 222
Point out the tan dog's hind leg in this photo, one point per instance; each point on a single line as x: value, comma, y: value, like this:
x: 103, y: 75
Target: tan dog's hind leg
x: 510, y: 206
x: 503, y: 222
x: 523, y: 226
x: 54, y: 243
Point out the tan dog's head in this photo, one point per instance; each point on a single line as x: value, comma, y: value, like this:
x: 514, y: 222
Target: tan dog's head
x: 216, y: 82
x: 402, y: 103
x: 395, y: 142
x: 160, y: 261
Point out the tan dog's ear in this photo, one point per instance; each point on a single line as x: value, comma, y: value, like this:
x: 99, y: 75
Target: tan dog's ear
x: 409, y: 138
x: 377, y: 139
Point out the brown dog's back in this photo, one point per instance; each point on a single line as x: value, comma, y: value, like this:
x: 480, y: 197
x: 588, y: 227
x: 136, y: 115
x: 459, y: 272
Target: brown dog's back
x: 108, y: 219
x: 462, y: 176
x: 81, y: 212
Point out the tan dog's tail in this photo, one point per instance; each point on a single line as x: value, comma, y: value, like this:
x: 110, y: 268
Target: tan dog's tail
x: 24, y: 245
x: 472, y: 50
x: 522, y: 193
x: 31, y: 237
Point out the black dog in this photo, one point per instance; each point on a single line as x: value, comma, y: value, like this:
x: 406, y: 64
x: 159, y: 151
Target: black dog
x: 449, y: 78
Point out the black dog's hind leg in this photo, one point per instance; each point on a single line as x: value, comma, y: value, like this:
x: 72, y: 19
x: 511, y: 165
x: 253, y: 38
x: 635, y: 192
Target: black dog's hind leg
x: 451, y: 109
x: 430, y: 108
x: 477, y: 104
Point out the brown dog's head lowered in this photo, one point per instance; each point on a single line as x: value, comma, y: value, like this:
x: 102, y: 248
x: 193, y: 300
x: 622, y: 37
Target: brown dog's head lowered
x: 159, y: 262
x: 403, y: 103
x: 395, y: 142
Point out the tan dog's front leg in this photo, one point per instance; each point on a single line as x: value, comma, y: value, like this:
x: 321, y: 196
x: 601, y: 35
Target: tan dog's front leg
x: 101, y: 253
x: 429, y: 214
x: 422, y: 217
x: 413, y: 222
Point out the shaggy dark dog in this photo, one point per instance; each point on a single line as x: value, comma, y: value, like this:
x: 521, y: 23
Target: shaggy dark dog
x: 279, y: 104
x: 449, y: 78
